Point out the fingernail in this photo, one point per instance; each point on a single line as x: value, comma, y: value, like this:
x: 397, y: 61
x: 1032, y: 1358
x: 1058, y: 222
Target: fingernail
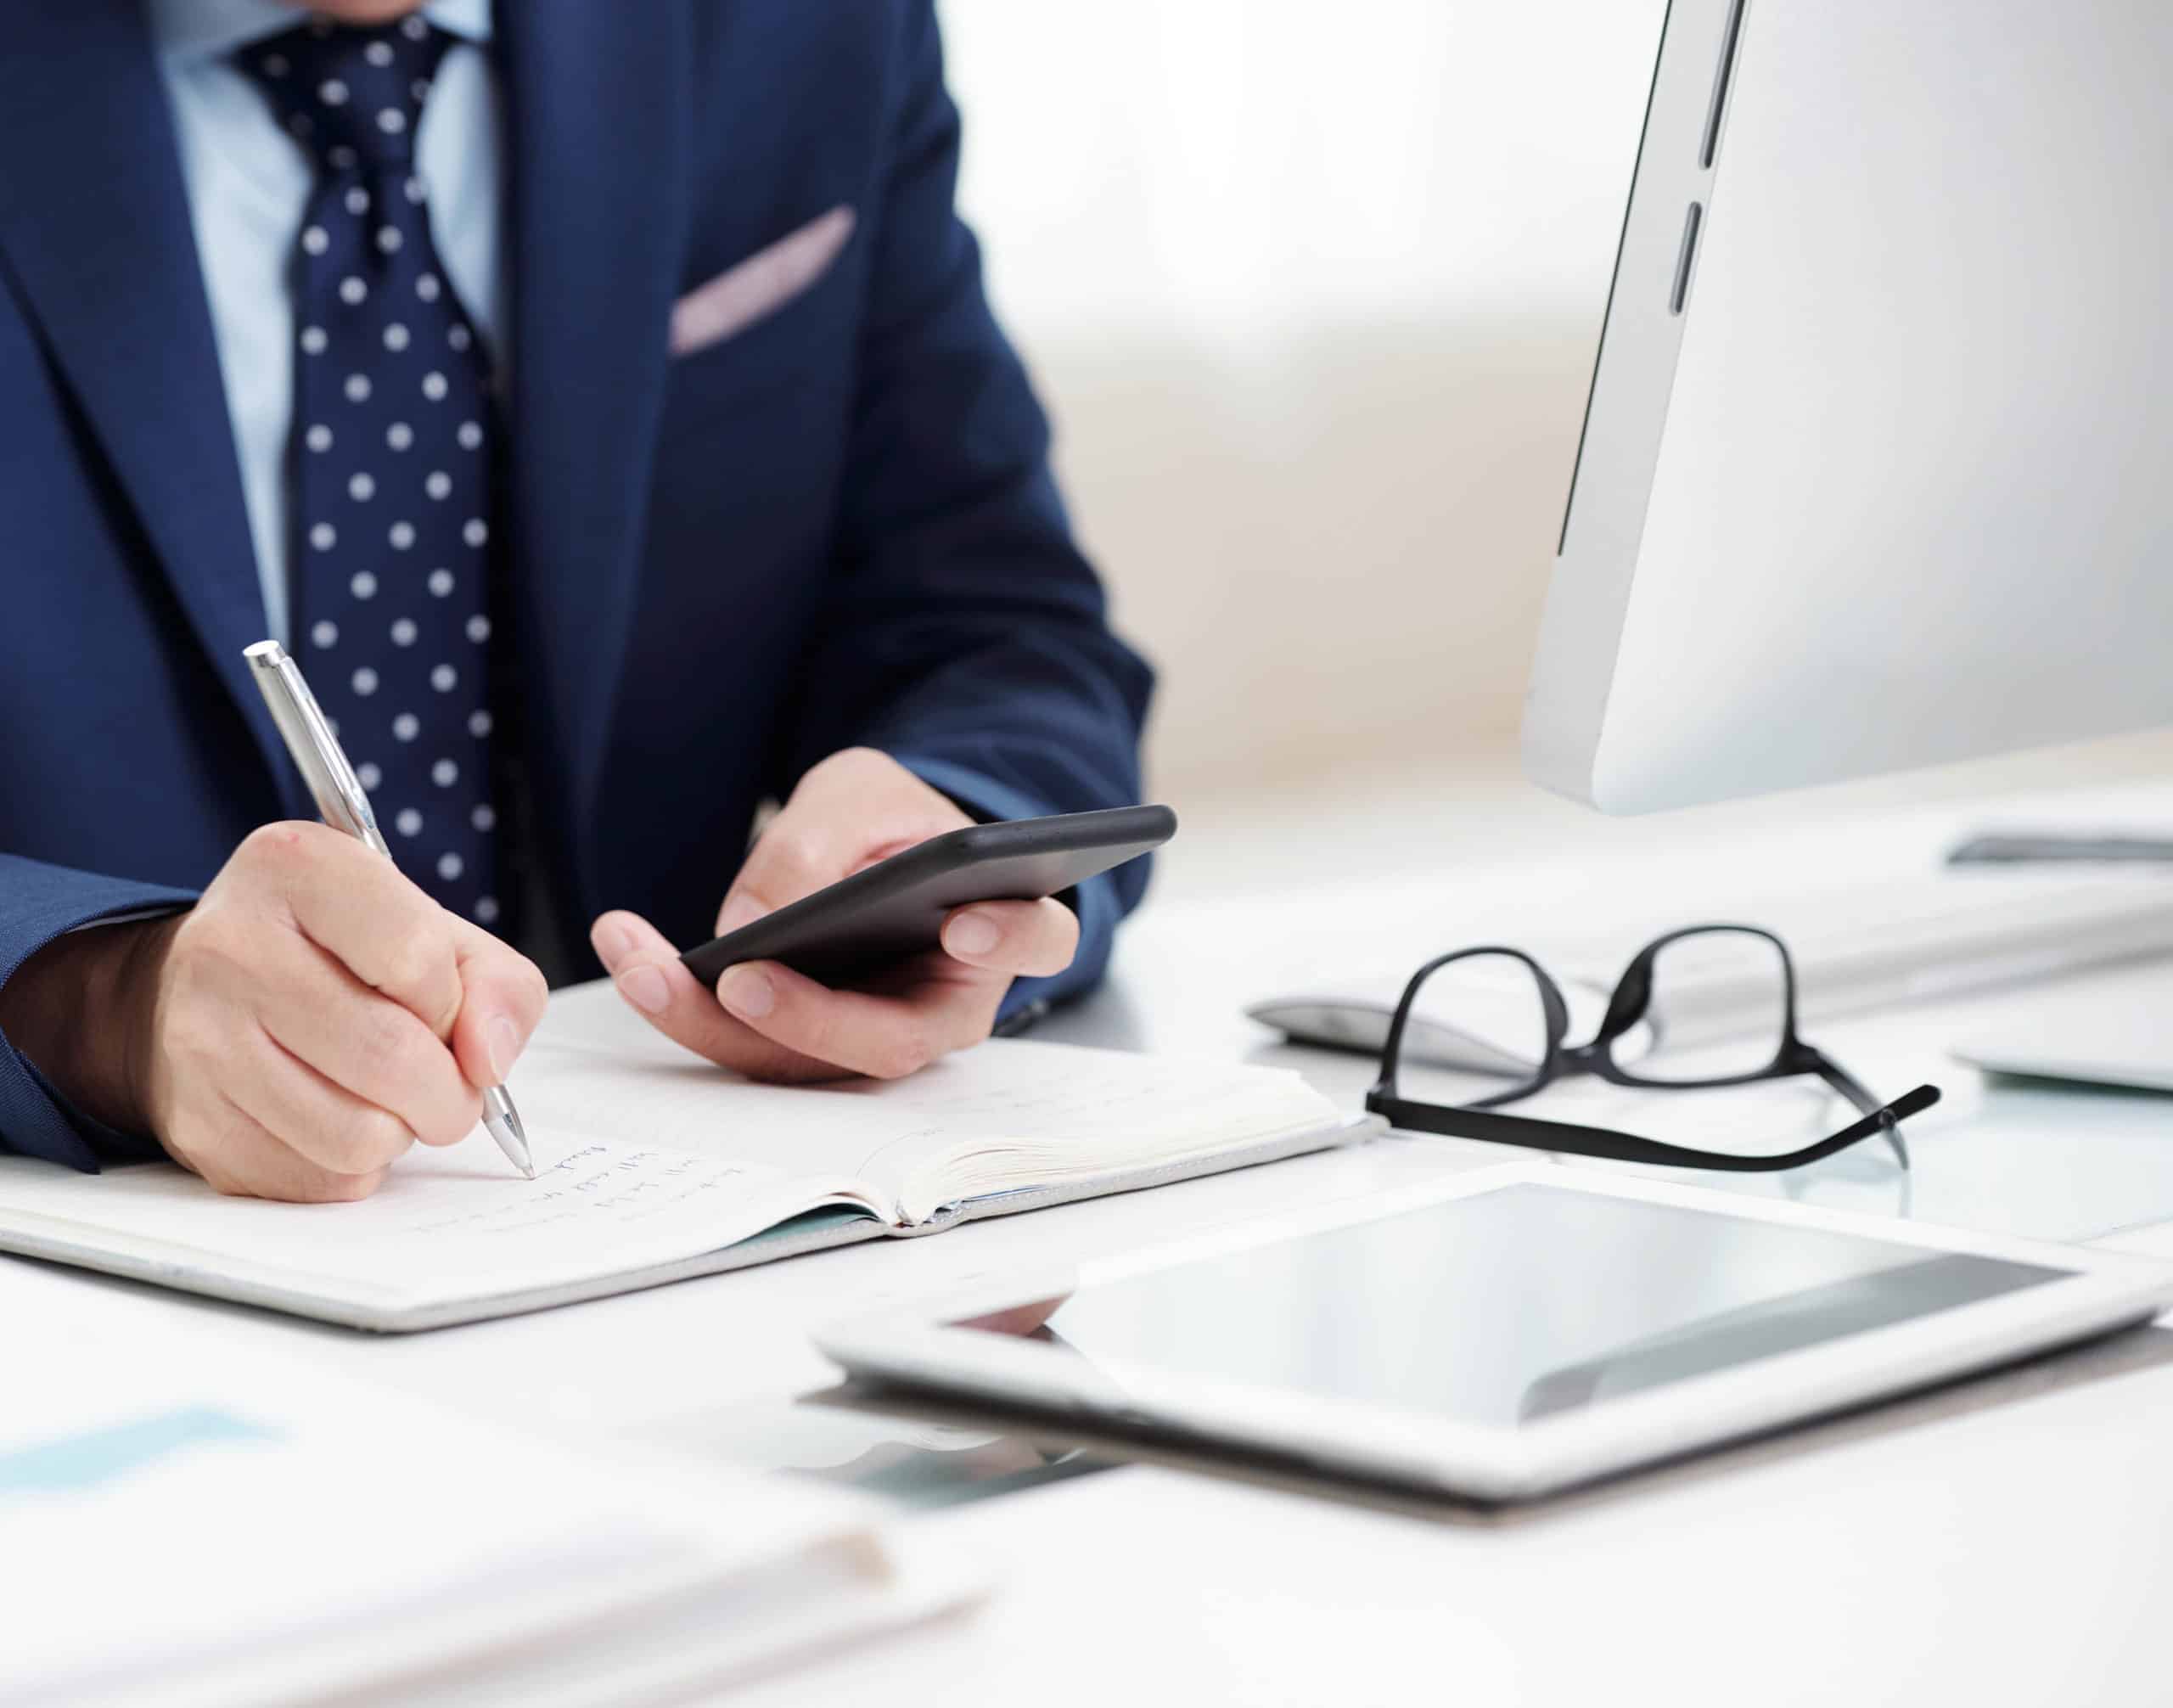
x: 738, y: 910
x: 748, y: 993
x: 972, y: 933
x: 645, y: 988
x: 502, y: 1040
x: 614, y: 943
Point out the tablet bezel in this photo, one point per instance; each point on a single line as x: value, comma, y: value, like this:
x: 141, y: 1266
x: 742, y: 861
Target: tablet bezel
x: 2102, y: 1291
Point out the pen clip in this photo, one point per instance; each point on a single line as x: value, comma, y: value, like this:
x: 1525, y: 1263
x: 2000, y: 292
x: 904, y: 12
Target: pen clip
x: 341, y: 799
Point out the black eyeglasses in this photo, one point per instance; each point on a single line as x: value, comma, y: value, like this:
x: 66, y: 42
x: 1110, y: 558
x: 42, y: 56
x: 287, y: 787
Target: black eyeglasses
x: 1703, y: 1007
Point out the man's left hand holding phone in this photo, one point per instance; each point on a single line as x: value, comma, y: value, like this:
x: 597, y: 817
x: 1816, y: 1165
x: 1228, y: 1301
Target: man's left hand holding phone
x: 316, y: 1013
x: 856, y: 808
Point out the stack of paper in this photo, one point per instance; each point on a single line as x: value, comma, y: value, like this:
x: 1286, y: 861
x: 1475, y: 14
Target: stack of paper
x: 186, y: 1524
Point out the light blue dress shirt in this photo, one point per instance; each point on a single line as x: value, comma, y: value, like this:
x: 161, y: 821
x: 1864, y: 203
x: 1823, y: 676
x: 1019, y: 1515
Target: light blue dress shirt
x: 248, y: 184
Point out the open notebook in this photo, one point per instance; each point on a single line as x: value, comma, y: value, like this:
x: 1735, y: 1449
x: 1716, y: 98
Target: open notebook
x: 655, y: 1166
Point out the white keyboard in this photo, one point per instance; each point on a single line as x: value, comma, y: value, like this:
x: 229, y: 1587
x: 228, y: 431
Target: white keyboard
x: 1856, y: 949
x: 1927, y: 938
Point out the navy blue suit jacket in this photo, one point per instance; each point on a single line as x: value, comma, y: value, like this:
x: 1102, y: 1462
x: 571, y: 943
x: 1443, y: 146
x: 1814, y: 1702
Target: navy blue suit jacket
x: 836, y: 527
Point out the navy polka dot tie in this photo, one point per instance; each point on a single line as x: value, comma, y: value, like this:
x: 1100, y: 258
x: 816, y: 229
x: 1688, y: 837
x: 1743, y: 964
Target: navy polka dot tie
x: 393, y: 456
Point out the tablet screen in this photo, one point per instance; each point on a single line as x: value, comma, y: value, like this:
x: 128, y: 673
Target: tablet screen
x: 1511, y: 1306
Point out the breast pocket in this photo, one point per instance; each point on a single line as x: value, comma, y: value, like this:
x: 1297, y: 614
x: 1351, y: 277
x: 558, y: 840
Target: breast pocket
x: 753, y: 293
x: 759, y: 406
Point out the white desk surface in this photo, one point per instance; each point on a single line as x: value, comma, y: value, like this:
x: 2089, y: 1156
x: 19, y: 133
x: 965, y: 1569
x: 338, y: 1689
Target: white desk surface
x: 2007, y: 1543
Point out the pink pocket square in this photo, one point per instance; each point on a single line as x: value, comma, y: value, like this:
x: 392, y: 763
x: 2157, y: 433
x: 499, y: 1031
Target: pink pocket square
x: 759, y: 285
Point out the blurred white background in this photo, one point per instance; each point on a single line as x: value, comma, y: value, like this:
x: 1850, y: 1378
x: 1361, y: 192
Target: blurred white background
x: 1313, y: 298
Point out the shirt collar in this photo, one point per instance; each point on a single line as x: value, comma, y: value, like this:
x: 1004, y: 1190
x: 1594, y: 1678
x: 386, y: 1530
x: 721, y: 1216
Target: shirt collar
x: 208, y: 28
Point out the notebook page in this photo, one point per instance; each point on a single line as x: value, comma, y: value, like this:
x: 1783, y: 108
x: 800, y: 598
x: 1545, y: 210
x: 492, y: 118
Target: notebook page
x: 1079, y: 1109
x: 1081, y: 1120
x: 449, y: 1225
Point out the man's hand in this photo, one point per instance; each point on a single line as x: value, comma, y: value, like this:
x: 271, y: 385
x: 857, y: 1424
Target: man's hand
x: 855, y: 808
x: 310, y: 1018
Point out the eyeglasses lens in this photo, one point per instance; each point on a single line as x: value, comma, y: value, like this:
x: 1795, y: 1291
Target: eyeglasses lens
x: 1478, y: 1029
x: 1718, y: 1010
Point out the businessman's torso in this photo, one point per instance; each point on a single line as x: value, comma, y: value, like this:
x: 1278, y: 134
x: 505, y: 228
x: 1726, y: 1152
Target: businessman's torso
x: 672, y: 516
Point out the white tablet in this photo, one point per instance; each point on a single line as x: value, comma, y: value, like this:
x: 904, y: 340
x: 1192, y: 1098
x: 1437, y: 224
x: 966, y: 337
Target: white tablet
x: 1507, y: 1332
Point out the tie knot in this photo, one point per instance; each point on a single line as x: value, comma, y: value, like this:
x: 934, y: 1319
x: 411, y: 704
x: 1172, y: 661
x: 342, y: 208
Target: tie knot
x: 350, y: 95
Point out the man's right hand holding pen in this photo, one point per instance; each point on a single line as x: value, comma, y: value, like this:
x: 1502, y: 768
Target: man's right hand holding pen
x: 312, y: 1016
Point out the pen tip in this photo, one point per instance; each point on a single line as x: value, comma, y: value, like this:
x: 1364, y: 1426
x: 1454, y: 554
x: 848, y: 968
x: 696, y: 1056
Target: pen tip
x: 504, y: 1123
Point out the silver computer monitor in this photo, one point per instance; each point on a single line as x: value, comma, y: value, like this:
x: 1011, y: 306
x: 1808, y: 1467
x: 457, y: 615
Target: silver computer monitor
x: 1877, y: 465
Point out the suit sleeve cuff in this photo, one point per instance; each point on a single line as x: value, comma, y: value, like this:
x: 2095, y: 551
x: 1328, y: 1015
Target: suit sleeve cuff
x: 35, y: 1119
x: 1095, y: 901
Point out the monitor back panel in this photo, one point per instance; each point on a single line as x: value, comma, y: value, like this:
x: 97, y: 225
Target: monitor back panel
x: 1877, y: 468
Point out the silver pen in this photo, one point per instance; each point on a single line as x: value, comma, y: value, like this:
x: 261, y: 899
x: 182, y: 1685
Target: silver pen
x: 343, y: 804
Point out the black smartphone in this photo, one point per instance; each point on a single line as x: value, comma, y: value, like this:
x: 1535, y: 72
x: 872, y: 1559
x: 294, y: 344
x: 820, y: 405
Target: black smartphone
x: 897, y: 906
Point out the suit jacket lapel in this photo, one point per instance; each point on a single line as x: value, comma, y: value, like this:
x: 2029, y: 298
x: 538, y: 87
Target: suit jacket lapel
x: 600, y: 113
x: 94, y: 223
